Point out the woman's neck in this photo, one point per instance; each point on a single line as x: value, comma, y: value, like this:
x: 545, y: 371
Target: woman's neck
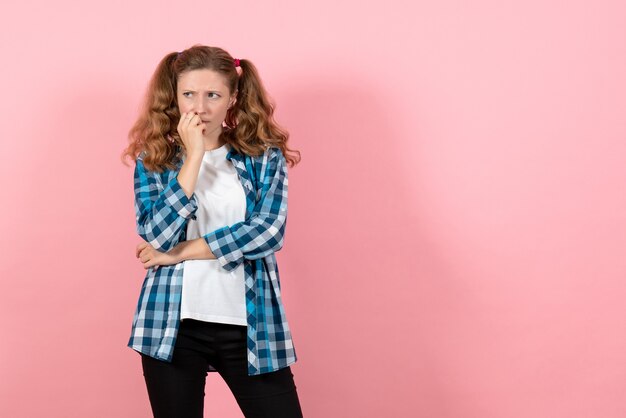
x: 215, y: 142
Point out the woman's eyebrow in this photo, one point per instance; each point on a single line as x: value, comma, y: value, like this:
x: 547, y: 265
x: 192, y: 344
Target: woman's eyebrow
x: 211, y: 90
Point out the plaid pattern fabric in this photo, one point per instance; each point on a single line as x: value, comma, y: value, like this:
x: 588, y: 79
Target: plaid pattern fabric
x: 162, y: 212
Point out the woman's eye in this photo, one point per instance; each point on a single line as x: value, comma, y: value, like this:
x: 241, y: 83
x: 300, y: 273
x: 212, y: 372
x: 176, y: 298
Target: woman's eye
x: 211, y: 95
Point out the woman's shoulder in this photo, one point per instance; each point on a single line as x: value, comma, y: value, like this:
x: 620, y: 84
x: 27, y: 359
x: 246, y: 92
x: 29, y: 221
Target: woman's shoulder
x: 142, y: 155
x: 164, y: 172
x: 270, y: 153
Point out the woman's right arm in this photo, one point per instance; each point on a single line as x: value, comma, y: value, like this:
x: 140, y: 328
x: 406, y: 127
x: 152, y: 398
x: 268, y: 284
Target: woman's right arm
x: 188, y: 174
x: 190, y: 130
x: 161, y: 210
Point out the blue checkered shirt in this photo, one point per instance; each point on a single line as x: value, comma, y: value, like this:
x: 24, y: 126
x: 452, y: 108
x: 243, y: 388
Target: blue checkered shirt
x: 162, y: 213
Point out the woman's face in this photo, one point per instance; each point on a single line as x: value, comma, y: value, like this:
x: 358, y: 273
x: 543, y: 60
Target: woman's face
x: 205, y: 93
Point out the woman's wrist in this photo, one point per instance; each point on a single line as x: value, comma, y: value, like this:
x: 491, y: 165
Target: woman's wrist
x: 178, y: 252
x: 196, y: 249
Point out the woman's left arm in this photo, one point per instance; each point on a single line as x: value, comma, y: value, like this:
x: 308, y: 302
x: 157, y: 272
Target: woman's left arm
x: 187, y: 250
x: 263, y: 233
x: 196, y: 249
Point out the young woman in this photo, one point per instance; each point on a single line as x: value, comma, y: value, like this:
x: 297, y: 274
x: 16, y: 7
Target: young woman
x: 210, y: 187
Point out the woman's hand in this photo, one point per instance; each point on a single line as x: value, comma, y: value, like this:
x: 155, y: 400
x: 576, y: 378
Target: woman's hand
x: 154, y: 258
x: 190, y: 128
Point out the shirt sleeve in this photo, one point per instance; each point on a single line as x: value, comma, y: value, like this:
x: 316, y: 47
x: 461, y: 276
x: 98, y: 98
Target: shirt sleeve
x: 161, y: 210
x: 263, y: 232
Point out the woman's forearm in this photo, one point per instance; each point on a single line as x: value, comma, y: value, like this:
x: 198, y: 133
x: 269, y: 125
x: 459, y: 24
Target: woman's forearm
x: 196, y: 249
x: 188, y: 174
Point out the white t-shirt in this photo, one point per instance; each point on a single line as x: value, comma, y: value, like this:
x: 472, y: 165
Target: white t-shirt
x: 211, y: 293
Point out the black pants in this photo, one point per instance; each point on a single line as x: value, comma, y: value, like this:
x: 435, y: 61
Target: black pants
x: 176, y: 389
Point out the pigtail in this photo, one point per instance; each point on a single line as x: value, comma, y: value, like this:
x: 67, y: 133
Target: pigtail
x: 155, y: 129
x: 252, y: 117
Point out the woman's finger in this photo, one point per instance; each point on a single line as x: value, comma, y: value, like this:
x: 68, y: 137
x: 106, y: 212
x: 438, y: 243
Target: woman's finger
x: 191, y: 119
x: 138, y: 251
x: 140, y: 247
x: 180, y: 121
x: 151, y: 265
x: 146, y: 251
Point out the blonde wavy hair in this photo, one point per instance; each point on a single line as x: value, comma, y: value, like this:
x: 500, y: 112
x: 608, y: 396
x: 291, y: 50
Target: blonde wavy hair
x: 249, y: 124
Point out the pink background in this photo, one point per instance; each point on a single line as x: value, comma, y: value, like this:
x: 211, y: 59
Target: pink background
x: 455, y: 243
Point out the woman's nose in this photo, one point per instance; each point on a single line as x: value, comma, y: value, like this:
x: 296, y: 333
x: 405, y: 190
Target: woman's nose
x: 200, y: 106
